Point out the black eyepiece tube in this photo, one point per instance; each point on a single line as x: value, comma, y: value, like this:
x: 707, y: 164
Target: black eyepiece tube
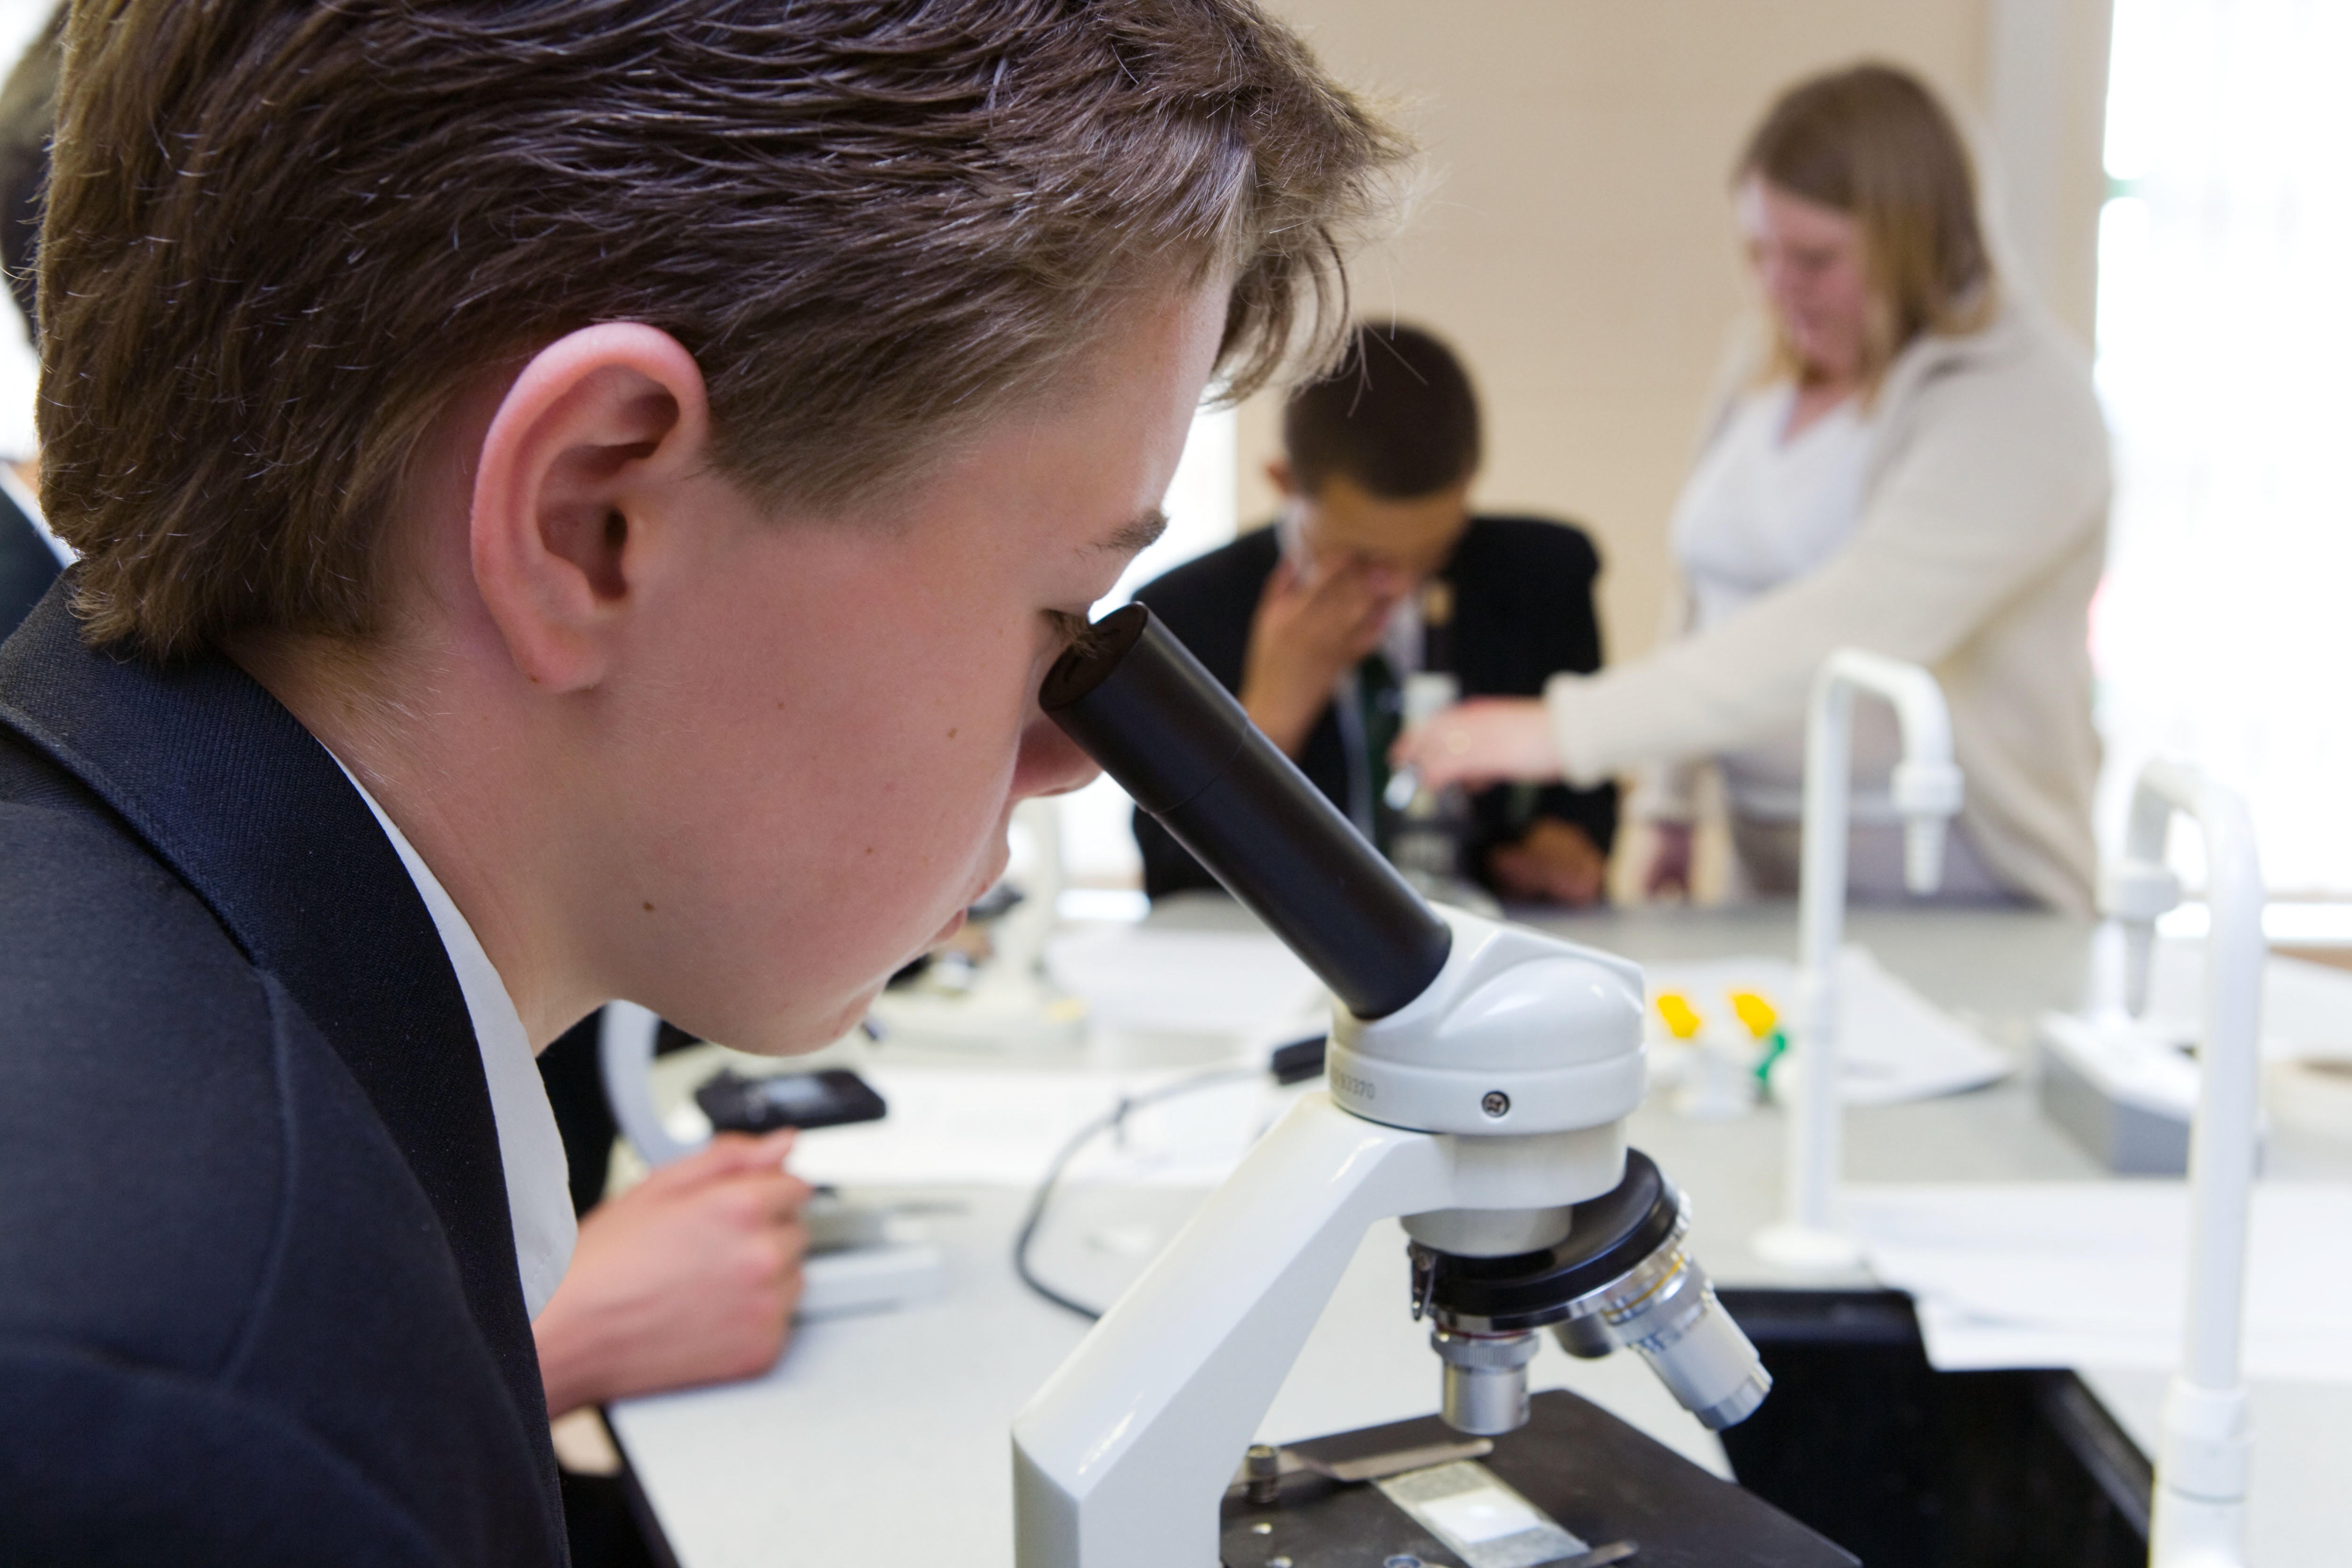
x: 1136, y: 701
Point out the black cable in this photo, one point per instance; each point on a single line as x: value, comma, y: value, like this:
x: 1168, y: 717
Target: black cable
x: 1084, y: 1135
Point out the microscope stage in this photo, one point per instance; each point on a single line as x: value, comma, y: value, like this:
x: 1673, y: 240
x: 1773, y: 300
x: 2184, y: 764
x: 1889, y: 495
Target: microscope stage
x: 1596, y: 1477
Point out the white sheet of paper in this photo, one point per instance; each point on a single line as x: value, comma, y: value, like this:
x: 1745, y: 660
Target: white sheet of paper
x: 2307, y: 1007
x: 1894, y: 1044
x: 2094, y: 1273
x: 1183, y: 982
x: 1002, y: 1129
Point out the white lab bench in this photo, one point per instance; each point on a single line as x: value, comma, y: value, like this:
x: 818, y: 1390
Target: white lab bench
x: 883, y: 1440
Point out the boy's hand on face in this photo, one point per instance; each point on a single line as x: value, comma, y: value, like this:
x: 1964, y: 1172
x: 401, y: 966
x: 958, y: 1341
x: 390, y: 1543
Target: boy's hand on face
x: 689, y: 1276
x: 1554, y: 863
x: 1310, y: 627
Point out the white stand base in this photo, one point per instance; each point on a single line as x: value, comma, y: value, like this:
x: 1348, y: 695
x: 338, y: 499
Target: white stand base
x: 2196, y: 1532
x: 1806, y: 1251
x: 870, y: 1279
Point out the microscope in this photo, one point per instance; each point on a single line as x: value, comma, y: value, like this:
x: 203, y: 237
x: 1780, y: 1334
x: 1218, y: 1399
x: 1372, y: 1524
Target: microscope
x: 1480, y: 1075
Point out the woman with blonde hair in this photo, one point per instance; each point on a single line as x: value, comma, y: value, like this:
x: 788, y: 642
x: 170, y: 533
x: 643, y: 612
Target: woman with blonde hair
x: 1911, y: 461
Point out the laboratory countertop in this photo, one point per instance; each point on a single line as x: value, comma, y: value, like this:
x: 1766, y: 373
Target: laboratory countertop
x: 885, y: 1439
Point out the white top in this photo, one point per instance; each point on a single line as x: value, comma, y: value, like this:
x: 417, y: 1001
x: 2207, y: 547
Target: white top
x: 530, y: 1149
x: 1982, y: 537
x: 1764, y: 507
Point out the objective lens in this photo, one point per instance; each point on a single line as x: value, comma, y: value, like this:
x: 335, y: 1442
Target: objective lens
x: 1585, y: 1337
x: 1618, y: 1275
x: 1667, y: 1310
x: 1485, y: 1381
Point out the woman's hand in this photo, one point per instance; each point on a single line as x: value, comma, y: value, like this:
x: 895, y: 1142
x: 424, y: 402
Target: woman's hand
x: 688, y: 1276
x: 1482, y: 741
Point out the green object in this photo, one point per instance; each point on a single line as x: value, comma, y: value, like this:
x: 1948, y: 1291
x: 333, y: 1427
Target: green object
x: 1774, y: 1049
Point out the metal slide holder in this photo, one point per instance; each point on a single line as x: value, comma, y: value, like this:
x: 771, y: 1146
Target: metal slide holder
x: 1480, y: 1076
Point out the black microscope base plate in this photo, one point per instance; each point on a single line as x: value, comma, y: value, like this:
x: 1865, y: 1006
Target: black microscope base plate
x: 1597, y: 1477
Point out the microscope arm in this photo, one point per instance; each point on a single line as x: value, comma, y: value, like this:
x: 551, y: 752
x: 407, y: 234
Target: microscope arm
x: 1119, y: 1458
x: 2202, y: 1465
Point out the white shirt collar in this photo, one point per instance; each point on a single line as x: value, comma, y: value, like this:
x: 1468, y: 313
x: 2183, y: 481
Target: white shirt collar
x: 17, y: 490
x: 539, y: 1179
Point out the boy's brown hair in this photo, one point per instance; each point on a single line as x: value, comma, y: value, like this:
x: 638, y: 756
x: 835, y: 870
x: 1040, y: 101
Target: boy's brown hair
x: 282, y: 234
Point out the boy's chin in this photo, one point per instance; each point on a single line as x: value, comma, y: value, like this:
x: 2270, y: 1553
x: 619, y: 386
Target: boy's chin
x: 802, y: 1033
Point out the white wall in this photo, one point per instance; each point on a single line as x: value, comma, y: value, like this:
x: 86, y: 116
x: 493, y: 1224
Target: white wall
x: 1577, y: 243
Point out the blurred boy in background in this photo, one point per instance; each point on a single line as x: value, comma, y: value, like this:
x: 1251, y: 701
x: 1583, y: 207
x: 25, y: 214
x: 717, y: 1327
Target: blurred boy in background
x: 1378, y: 569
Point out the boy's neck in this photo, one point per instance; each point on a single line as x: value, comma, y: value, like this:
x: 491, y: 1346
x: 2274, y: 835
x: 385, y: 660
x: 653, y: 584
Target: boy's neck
x: 447, y: 797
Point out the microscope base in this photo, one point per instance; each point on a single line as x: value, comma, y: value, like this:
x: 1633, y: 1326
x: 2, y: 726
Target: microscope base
x: 1598, y: 1477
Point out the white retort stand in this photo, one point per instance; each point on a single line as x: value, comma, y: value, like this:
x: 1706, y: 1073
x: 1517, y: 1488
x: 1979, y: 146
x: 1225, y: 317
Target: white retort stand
x: 1927, y: 789
x: 1481, y: 1108
x: 2207, y: 1442
x: 625, y: 1037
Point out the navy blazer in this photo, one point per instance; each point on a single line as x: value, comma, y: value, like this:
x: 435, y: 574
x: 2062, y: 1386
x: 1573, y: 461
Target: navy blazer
x: 257, y: 1290
x: 1522, y: 613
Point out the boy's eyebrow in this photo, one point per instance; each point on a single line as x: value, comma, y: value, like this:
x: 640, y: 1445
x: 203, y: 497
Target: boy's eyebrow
x: 1136, y: 535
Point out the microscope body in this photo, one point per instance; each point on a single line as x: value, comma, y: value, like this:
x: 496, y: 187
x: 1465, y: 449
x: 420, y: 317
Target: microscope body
x: 1480, y: 1078
x: 1481, y: 1112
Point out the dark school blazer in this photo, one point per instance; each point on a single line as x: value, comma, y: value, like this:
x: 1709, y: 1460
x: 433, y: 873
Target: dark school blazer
x: 1522, y: 613
x: 257, y: 1290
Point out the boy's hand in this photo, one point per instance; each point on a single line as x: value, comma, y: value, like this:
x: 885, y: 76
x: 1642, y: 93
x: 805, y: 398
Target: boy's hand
x: 689, y: 1276
x: 1308, y: 630
x: 1554, y: 862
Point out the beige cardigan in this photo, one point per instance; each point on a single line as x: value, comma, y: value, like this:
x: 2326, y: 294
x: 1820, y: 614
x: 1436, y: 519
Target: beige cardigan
x: 1982, y: 539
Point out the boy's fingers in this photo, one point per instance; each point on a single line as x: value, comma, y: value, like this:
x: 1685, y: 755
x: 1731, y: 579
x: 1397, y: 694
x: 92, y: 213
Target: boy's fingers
x: 742, y: 1152
x: 774, y: 1197
x: 1284, y: 583
x: 728, y: 1154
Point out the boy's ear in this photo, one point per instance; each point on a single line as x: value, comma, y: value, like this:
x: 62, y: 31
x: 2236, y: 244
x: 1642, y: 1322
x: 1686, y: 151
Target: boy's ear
x: 1284, y: 482
x: 568, y: 501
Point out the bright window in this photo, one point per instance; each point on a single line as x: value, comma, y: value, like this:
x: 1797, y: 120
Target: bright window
x: 2224, y: 631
